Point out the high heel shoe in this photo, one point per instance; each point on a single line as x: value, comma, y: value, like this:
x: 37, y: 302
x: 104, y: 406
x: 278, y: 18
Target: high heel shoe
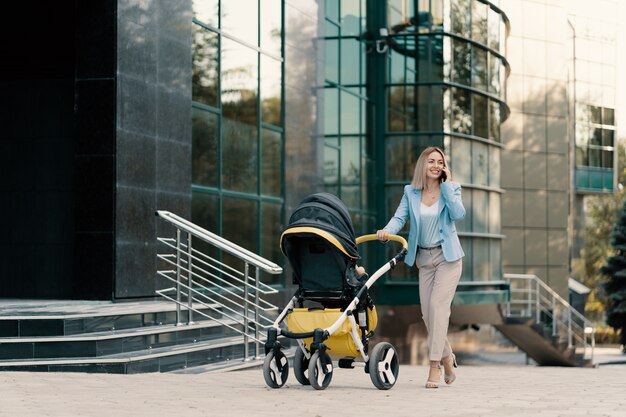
x: 449, y: 379
x: 434, y: 384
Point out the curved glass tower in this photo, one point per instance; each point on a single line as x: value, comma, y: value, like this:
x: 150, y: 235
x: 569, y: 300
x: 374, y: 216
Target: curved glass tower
x: 444, y: 86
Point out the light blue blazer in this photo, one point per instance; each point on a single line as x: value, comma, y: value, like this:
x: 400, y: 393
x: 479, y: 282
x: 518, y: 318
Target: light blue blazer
x: 450, y: 210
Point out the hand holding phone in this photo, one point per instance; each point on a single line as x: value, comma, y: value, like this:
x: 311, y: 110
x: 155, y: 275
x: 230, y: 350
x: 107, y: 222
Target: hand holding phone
x: 445, y: 174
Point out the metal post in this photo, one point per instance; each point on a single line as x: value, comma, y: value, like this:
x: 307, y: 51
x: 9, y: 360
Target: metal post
x: 189, y: 281
x: 178, y: 323
x: 529, y: 298
x: 257, y: 315
x: 569, y: 327
x: 508, y: 304
x: 593, y: 342
x: 537, y: 301
x: 246, y: 348
x: 554, y: 316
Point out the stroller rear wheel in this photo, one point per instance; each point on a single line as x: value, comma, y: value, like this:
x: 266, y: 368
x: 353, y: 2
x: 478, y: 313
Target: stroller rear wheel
x: 301, y: 367
x: 275, y: 369
x: 384, y: 366
x: 318, y: 363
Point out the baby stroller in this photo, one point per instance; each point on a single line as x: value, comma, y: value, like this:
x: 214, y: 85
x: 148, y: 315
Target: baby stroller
x: 331, y: 312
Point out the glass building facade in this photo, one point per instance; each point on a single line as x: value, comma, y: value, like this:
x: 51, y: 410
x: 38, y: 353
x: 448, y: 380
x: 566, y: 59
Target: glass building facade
x: 237, y: 130
x: 437, y: 79
x: 347, y: 151
x: 445, y: 85
x: 230, y: 112
x: 593, y: 56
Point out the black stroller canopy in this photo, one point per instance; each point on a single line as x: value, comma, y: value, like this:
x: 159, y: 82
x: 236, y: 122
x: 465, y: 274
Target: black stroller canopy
x: 328, y: 213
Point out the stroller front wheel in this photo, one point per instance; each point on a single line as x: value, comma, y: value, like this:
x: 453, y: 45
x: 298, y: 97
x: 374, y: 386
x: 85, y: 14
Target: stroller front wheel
x: 301, y: 367
x: 317, y: 364
x: 275, y: 369
x: 384, y: 366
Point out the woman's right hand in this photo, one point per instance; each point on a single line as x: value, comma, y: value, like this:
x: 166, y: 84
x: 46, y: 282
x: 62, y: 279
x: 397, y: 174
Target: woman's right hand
x: 382, y: 235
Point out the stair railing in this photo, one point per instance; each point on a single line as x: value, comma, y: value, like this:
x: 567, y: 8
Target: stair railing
x: 204, y: 284
x: 533, y: 298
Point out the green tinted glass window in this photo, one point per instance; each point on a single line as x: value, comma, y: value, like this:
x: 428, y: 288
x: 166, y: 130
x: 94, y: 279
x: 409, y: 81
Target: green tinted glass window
x: 479, y: 68
x: 460, y: 17
x: 462, y: 59
x: 206, y: 11
x: 239, y: 86
x: 480, y: 116
x: 270, y: 90
x: 401, y: 108
x: 205, y: 142
x: 205, y: 70
x: 271, y: 229
x: 350, y: 56
x: 239, y: 156
x: 270, y: 27
x: 241, y: 19
x: 480, y: 27
x: 238, y: 225
x: 461, y: 111
x: 350, y: 113
x: 270, y: 162
x: 237, y: 124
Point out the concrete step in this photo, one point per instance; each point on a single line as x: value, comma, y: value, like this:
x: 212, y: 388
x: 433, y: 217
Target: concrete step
x: 70, y: 318
x: 127, y: 337
x: 234, y: 365
x: 162, y: 359
x: 110, y: 342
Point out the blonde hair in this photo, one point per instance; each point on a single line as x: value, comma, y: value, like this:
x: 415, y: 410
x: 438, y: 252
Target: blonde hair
x: 419, y: 175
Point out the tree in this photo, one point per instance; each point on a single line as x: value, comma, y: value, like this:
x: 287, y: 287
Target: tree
x: 615, y: 285
x: 602, y: 213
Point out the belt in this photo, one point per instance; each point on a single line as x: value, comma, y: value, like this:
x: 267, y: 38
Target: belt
x: 430, y: 248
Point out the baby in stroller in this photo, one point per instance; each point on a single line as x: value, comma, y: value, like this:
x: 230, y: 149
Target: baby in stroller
x: 331, y: 312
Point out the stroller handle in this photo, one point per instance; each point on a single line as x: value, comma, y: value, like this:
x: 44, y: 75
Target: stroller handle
x: 395, y: 238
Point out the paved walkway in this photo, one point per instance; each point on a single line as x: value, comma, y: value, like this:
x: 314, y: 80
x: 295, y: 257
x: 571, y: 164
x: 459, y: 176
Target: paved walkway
x: 498, y: 390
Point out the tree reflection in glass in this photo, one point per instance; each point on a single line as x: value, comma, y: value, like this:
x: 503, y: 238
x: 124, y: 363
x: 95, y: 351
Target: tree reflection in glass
x: 205, y: 161
x: 461, y: 115
x: 204, y: 78
x: 271, y: 70
x: 239, y: 117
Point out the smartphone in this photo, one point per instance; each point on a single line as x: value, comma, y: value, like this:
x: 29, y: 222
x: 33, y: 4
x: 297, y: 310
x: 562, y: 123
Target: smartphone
x: 443, y: 176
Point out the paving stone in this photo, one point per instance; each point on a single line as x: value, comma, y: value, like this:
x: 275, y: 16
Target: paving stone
x: 486, y: 391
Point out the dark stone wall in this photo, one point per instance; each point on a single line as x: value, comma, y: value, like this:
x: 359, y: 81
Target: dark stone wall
x: 95, y: 151
x: 96, y: 116
x: 36, y: 150
x: 153, y: 134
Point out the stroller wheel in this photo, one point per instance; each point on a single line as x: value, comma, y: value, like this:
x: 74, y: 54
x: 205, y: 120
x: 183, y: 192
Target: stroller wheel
x: 384, y: 366
x: 318, y: 363
x: 301, y: 367
x: 275, y: 369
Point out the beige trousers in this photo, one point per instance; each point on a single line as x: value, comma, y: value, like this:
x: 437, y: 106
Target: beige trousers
x: 438, y: 280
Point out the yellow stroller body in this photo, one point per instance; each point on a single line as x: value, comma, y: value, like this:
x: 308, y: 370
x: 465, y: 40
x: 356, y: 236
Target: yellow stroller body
x: 340, y: 343
x: 331, y: 315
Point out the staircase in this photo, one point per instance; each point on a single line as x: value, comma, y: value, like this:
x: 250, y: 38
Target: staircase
x: 211, y: 317
x: 545, y: 326
x: 83, y: 336
x: 202, y: 280
x: 214, y: 314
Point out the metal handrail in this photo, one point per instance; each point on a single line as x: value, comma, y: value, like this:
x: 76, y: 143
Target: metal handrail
x: 537, y: 298
x: 205, y: 283
x: 221, y: 243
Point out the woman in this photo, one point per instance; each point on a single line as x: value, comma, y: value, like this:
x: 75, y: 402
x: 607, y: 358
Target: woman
x: 433, y: 203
